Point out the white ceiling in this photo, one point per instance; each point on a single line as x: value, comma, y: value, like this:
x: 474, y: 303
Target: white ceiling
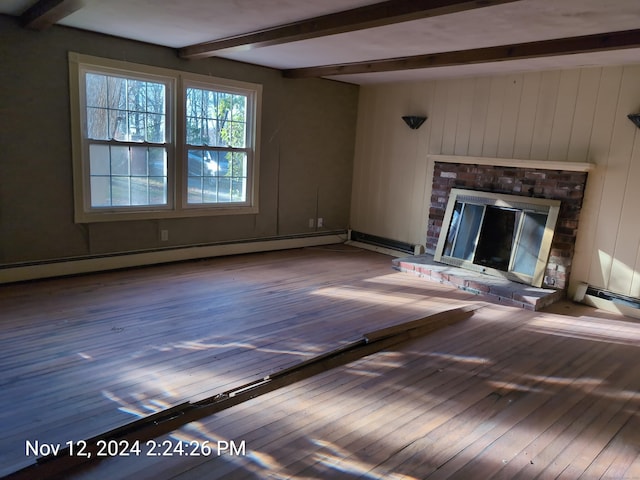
x: 186, y: 22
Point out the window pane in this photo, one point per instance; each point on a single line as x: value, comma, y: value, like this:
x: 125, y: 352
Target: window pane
x: 97, y: 124
x: 117, y: 88
x: 120, y: 191
x: 118, y: 125
x: 468, y: 231
x: 155, y: 98
x: 139, y: 191
x: 212, y: 134
x: 239, y: 166
x: 238, y: 135
x: 157, y: 190
x: 136, y: 95
x: 194, y: 102
x: 194, y: 131
x: 99, y: 160
x: 528, y: 247
x: 239, y: 190
x: 96, y: 86
x: 139, y: 161
x: 210, y: 190
x: 119, y: 160
x: 136, y: 130
x: 194, y: 158
x: 100, y: 191
x: 224, y: 189
x: 453, y: 229
x: 194, y: 190
x: 224, y: 163
x: 155, y: 128
x: 157, y: 162
x: 238, y: 113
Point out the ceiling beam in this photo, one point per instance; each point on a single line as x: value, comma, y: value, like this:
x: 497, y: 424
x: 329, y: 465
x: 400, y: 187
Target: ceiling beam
x: 369, y: 16
x: 546, y: 48
x: 45, y: 13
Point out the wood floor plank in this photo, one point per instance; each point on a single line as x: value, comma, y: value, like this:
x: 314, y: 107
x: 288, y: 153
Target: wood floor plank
x: 89, y: 353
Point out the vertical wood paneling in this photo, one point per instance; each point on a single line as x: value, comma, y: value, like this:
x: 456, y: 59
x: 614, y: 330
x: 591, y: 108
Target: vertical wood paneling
x: 494, y: 117
x: 527, y: 115
x: 463, y: 128
x: 630, y: 218
x: 437, y: 117
x: 481, y: 94
x: 613, y: 192
x: 386, y: 135
x: 583, y: 114
x: 509, y: 119
x: 587, y: 265
x: 423, y: 172
x: 628, y: 239
x: 545, y: 109
x: 563, y: 115
x: 454, y: 91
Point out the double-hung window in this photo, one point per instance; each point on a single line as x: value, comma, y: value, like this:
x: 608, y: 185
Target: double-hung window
x: 216, y: 144
x: 158, y: 143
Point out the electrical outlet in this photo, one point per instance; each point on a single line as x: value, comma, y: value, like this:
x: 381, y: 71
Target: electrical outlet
x: 164, y: 235
x: 320, y: 222
x: 311, y: 223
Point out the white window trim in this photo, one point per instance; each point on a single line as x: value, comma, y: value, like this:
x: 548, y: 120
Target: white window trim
x: 177, y: 206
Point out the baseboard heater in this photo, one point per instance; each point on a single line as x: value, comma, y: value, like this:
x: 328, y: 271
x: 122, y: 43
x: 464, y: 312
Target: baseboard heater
x: 382, y: 242
x: 17, y: 272
x: 617, y: 298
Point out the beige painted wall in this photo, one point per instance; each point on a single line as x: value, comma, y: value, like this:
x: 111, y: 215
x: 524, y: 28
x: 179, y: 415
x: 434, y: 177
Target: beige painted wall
x: 308, y: 130
x: 577, y: 115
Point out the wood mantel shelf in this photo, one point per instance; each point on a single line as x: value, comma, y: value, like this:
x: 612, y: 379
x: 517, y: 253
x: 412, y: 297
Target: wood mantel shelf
x: 514, y: 162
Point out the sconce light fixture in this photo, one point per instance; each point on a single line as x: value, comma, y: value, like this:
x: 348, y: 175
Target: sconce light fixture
x: 414, y: 121
x: 635, y: 118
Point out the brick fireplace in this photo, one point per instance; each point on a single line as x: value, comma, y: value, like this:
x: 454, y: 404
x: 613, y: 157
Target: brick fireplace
x: 565, y: 185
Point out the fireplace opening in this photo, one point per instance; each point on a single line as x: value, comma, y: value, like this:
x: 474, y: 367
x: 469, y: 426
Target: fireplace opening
x: 498, y: 234
x: 496, y: 238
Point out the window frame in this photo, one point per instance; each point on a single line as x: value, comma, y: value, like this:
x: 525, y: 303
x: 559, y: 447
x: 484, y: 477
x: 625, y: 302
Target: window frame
x: 177, y: 164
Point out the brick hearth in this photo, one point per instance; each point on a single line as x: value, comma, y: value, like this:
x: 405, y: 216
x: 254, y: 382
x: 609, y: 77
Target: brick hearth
x: 494, y: 289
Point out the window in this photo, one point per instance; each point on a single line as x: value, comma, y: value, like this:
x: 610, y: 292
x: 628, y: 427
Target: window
x: 157, y: 143
x: 217, y: 152
x: 504, y: 235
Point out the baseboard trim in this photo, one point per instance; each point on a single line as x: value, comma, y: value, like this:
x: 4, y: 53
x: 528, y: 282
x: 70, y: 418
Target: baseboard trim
x: 19, y: 273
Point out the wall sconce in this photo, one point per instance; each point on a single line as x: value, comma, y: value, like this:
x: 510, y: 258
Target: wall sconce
x: 635, y: 118
x: 414, y: 121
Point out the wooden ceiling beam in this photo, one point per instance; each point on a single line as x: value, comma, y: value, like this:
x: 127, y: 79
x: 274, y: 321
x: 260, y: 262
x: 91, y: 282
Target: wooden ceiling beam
x: 45, y: 13
x: 369, y: 16
x: 546, y: 48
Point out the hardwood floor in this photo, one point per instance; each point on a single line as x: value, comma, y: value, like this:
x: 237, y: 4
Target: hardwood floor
x: 505, y: 394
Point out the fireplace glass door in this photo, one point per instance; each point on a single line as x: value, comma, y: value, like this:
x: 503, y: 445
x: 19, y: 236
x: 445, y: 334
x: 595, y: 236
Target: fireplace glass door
x: 498, y: 234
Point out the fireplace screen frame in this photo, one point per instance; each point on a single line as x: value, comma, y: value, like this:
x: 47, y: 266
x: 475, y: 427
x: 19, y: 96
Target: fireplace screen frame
x: 528, y: 208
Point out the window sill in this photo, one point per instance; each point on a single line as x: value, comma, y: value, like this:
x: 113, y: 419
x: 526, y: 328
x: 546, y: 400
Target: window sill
x: 118, y: 216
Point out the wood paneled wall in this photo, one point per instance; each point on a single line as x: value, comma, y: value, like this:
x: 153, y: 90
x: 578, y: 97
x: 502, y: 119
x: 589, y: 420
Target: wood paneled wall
x: 577, y: 115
